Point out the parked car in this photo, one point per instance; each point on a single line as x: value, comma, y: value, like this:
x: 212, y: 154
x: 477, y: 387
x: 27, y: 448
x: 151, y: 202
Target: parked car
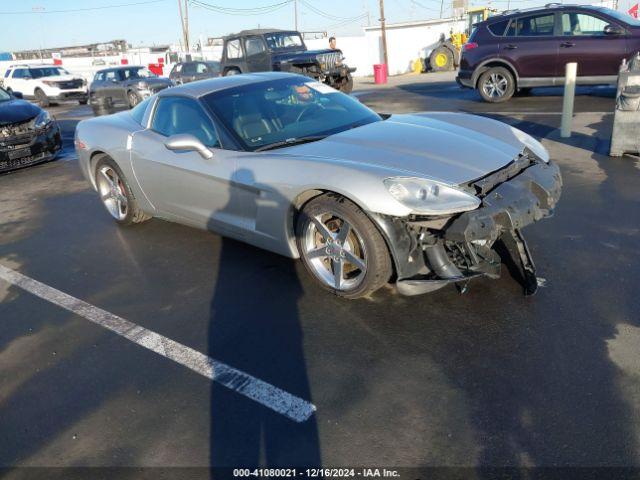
x: 123, y: 87
x: 530, y: 48
x: 292, y: 166
x: 185, y: 72
x: 45, y: 84
x: 266, y: 50
x: 28, y: 135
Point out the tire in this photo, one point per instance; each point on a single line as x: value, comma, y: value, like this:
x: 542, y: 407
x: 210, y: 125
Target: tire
x: 496, y: 85
x: 232, y: 71
x: 83, y: 102
x: 132, y: 213
x: 347, y: 87
x: 441, y: 59
x: 360, y: 249
x: 133, y: 99
x: 42, y: 98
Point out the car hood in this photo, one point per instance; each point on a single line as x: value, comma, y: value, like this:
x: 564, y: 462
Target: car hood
x: 60, y: 78
x: 449, y: 148
x: 14, y: 111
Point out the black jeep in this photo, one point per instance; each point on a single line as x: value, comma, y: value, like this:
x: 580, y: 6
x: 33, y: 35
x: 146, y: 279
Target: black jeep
x: 268, y: 50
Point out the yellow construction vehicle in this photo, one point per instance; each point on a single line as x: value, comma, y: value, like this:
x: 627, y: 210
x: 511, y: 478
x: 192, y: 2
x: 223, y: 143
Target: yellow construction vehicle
x: 446, y: 54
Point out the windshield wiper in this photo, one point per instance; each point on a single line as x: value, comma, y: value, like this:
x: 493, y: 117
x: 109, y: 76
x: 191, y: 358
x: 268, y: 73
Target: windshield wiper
x: 289, y: 142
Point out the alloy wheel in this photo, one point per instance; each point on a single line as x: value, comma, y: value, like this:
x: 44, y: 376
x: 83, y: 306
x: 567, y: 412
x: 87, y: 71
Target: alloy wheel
x: 495, y: 85
x: 112, y: 192
x: 335, y: 251
x: 133, y: 99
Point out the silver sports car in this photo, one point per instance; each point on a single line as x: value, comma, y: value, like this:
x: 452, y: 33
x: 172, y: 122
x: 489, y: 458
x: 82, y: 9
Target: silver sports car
x: 291, y: 165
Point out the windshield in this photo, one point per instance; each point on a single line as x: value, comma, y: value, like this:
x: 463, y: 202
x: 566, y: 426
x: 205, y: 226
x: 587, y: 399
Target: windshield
x: 286, y: 110
x: 278, y: 41
x: 40, y: 72
x: 4, y: 96
x: 623, y: 17
x: 137, y: 72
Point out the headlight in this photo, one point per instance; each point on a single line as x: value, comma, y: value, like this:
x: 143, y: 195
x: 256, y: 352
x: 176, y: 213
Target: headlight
x: 534, y: 145
x: 428, y: 197
x: 43, y: 119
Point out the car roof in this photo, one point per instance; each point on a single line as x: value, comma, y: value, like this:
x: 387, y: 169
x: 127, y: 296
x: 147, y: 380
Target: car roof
x: 550, y: 7
x: 259, y: 31
x: 121, y: 67
x: 204, y: 87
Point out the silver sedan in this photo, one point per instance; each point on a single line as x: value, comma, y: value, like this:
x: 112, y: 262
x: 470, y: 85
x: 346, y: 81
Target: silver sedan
x: 293, y: 166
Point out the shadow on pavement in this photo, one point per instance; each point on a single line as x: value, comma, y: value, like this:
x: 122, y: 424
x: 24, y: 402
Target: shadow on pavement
x: 255, y: 327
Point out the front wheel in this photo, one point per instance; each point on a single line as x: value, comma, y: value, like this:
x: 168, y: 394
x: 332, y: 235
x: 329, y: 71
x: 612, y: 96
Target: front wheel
x: 41, y: 98
x: 496, y: 85
x: 341, y: 247
x: 347, y: 86
x: 133, y: 99
x: 441, y: 59
x: 115, y: 193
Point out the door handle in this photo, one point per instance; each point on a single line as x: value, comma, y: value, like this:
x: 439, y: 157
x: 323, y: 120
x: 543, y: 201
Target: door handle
x: 567, y: 44
x: 510, y: 47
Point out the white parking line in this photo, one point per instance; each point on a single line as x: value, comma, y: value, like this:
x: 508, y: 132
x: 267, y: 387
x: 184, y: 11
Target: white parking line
x: 264, y: 393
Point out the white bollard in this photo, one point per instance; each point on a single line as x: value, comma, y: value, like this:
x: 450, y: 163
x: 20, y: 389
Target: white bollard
x: 567, y: 100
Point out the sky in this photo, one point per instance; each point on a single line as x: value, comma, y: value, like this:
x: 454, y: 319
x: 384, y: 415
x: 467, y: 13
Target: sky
x: 32, y: 24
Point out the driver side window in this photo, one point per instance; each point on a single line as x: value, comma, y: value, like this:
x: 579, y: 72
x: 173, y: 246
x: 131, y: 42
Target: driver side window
x: 176, y: 115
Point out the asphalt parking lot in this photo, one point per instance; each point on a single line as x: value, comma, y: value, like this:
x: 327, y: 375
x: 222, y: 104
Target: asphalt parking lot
x: 489, y: 378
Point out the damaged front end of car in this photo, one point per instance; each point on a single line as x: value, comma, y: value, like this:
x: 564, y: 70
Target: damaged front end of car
x: 431, y: 252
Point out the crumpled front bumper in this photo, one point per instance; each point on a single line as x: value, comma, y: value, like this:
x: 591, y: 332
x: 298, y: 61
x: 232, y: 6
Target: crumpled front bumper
x: 431, y: 253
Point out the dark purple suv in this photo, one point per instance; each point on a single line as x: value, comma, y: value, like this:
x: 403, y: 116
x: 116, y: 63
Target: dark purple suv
x: 521, y: 49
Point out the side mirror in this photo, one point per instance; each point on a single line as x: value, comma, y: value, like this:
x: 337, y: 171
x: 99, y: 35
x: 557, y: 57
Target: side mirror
x: 18, y: 95
x: 613, y: 30
x: 184, y: 142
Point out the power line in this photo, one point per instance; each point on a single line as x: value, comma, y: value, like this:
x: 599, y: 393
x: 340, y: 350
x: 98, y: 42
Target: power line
x: 75, y: 10
x: 328, y: 15
x: 241, y: 11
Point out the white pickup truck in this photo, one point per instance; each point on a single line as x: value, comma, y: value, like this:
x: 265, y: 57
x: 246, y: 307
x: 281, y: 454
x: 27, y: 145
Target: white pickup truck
x: 45, y: 84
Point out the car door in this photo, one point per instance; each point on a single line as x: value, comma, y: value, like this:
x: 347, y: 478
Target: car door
x: 111, y: 89
x: 188, y: 72
x: 585, y: 42
x: 19, y: 82
x: 530, y: 44
x: 258, y: 59
x: 202, y: 71
x: 183, y: 185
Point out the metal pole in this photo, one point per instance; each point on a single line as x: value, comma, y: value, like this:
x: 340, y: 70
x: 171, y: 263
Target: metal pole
x: 186, y: 24
x: 182, y: 24
x: 567, y: 100
x: 384, y: 36
x: 295, y: 12
x: 441, y: 7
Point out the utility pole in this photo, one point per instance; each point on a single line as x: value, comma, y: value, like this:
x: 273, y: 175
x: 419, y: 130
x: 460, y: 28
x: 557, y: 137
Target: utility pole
x: 384, y: 36
x: 441, y: 7
x: 295, y: 13
x: 184, y: 22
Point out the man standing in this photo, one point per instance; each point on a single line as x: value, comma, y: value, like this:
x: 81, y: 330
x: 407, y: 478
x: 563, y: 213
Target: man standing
x: 332, y: 43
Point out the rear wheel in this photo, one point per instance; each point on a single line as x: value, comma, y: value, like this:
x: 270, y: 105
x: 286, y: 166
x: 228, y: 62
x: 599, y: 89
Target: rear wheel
x: 41, y: 98
x: 496, y: 85
x: 115, y: 193
x: 341, y: 247
x: 441, y: 59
